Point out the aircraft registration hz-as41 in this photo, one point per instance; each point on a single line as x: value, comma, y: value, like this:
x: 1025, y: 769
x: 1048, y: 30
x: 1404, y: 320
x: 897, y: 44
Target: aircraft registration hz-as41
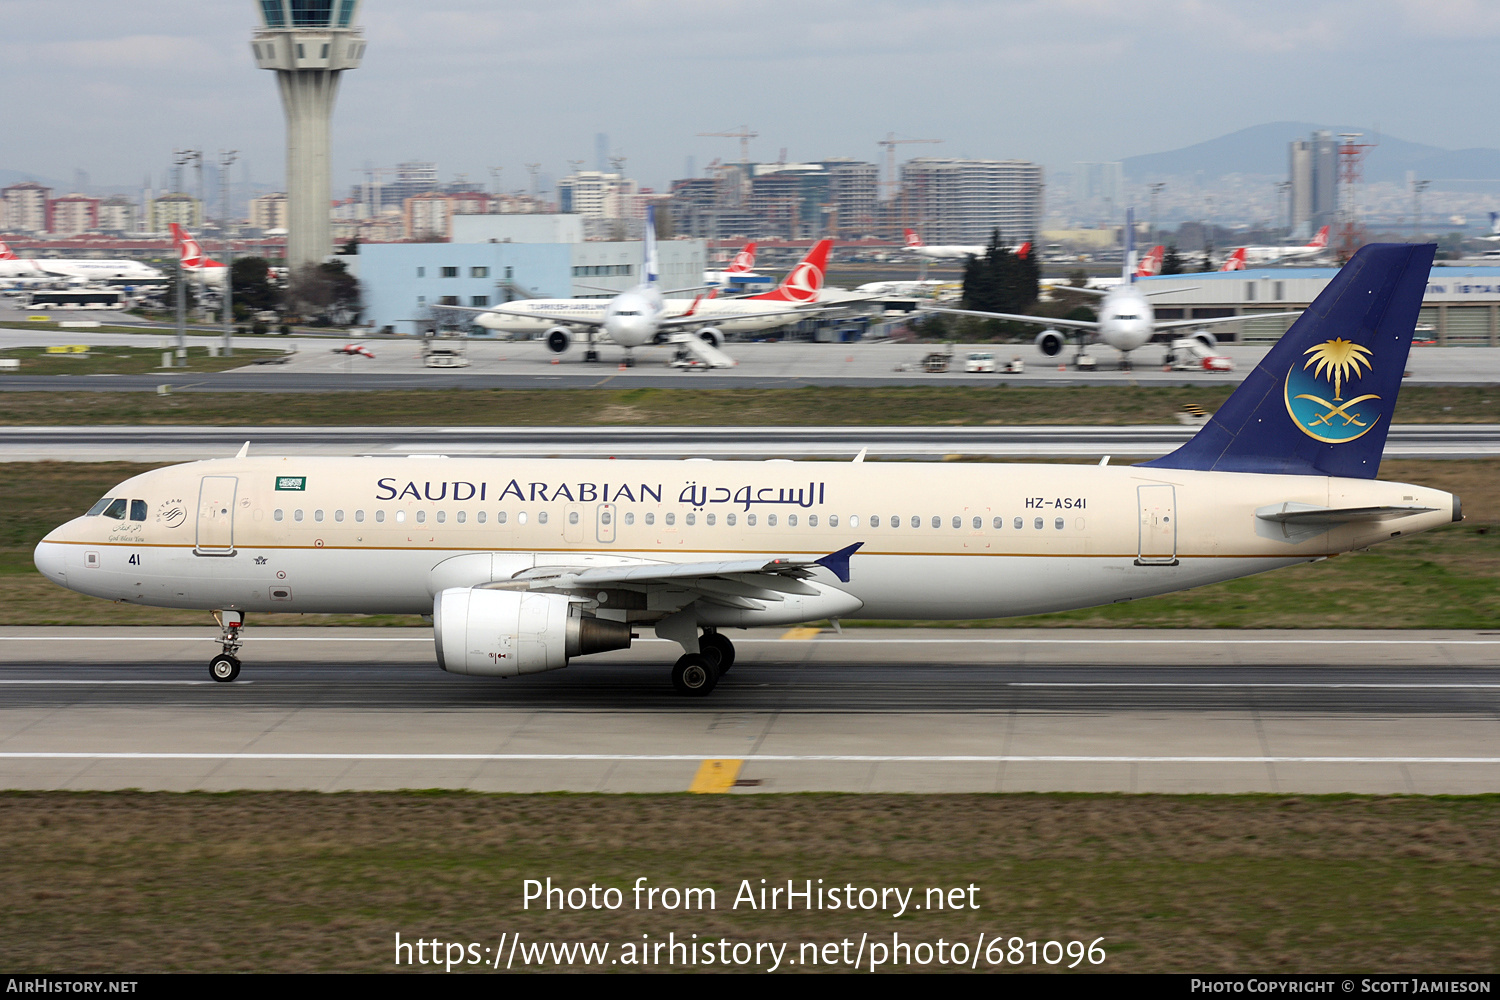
x: 524, y: 564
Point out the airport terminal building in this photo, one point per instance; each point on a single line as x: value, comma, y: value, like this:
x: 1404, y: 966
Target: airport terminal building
x: 1461, y: 307
x: 500, y: 258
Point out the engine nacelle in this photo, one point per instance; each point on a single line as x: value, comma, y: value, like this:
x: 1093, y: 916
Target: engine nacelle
x: 502, y: 633
x: 559, y: 338
x: 1206, y: 339
x: 1050, y: 343
x: 712, y: 336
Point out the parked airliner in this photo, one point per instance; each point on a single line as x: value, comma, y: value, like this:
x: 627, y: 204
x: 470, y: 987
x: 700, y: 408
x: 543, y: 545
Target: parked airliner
x: 1254, y: 255
x: 73, y: 269
x: 526, y: 563
x: 915, y: 245
x: 642, y: 316
x: 194, y: 261
x: 1126, y: 319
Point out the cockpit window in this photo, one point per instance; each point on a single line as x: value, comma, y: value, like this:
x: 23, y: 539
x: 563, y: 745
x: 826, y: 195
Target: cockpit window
x: 116, y: 508
x: 98, y: 508
x: 137, y: 510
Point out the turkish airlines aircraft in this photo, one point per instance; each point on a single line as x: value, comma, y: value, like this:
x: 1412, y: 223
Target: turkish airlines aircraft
x: 1271, y: 255
x: 194, y: 261
x: 642, y: 316
x: 63, y: 268
x: 526, y: 563
x: 741, y: 268
x: 1235, y: 261
x: 1126, y: 319
x: 1149, y: 267
x: 915, y: 245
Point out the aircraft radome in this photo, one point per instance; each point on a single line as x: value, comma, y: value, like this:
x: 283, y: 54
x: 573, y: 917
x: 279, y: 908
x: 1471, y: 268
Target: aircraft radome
x: 524, y: 564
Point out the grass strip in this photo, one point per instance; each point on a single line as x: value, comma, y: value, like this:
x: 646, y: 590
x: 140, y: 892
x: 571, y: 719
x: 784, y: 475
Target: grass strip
x: 950, y: 405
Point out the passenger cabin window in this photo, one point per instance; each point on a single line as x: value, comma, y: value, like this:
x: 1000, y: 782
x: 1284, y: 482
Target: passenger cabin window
x: 771, y: 520
x: 297, y: 514
x: 278, y: 514
x: 541, y: 517
x: 379, y: 516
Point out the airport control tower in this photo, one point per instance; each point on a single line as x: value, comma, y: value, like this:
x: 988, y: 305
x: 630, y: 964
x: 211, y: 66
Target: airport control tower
x: 309, y: 43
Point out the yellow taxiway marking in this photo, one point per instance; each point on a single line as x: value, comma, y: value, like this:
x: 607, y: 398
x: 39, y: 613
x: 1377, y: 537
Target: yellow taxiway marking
x: 801, y: 633
x: 715, y: 777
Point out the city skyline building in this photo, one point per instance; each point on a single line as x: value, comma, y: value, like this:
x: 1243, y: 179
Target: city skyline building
x: 963, y: 201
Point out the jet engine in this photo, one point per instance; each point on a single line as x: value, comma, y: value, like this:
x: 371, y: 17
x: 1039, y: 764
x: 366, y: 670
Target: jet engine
x: 1206, y: 339
x: 711, y: 336
x: 558, y: 339
x: 502, y: 633
x: 1050, y: 343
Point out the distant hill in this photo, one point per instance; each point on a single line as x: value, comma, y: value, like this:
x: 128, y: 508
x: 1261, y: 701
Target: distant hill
x: 1262, y: 149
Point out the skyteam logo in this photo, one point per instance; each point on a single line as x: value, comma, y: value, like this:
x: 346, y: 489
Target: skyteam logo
x: 1315, y: 392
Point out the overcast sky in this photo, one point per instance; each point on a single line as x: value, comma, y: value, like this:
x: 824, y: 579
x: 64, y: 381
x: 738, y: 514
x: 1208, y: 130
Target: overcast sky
x: 113, y: 88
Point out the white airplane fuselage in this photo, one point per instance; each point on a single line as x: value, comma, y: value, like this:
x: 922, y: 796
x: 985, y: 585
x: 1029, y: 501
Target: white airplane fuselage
x: 386, y: 535
x: 1126, y: 319
x: 731, y: 316
x: 88, y: 270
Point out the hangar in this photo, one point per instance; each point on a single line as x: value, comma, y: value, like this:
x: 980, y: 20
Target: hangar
x: 1461, y: 307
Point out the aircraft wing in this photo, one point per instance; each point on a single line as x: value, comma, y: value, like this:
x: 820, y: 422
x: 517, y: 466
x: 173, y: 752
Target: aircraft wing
x: 1071, y: 324
x: 734, y: 582
x: 1178, y: 324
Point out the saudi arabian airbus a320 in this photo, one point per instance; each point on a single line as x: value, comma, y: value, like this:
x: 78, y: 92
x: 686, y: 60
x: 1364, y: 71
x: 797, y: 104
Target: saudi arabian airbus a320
x: 525, y: 564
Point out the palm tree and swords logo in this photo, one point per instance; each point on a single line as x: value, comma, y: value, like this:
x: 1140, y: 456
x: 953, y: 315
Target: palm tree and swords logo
x: 1333, y: 364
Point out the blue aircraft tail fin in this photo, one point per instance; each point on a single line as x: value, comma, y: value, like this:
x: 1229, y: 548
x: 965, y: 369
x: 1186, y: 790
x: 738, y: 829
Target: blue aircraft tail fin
x: 1320, y: 402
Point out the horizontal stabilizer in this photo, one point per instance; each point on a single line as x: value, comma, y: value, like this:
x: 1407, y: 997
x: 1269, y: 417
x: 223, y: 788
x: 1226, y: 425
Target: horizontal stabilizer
x: 1302, y: 513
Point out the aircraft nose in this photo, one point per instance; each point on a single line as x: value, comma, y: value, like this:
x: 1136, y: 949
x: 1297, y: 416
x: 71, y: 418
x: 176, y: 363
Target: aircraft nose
x: 49, y: 561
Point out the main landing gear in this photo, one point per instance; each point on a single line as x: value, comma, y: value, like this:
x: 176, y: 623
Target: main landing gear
x: 226, y: 666
x: 698, y: 673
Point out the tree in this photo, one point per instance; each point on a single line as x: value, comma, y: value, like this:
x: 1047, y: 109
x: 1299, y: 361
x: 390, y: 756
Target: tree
x: 1001, y: 281
x: 1172, y: 262
x: 327, y: 291
x: 351, y: 247
x: 251, y: 285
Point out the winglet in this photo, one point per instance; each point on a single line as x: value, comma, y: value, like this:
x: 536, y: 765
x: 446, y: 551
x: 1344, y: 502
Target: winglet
x: 244, y: 450
x: 837, y: 563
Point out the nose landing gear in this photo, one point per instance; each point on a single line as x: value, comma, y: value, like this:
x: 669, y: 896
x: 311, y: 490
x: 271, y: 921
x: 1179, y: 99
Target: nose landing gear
x: 226, y: 666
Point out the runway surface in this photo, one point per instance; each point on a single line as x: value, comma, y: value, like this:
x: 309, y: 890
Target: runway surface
x: 876, y: 710
x: 180, y: 444
x: 397, y: 364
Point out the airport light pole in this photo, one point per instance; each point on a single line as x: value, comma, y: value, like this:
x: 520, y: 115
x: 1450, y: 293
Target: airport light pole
x: 226, y: 159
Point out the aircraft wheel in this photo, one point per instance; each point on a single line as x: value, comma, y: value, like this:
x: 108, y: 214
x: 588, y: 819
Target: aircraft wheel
x: 718, y: 644
x: 224, y: 668
x: 694, y: 674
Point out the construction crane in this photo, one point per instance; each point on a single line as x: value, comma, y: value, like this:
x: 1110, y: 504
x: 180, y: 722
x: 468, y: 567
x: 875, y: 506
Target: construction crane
x: 744, y: 135
x: 890, y: 142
